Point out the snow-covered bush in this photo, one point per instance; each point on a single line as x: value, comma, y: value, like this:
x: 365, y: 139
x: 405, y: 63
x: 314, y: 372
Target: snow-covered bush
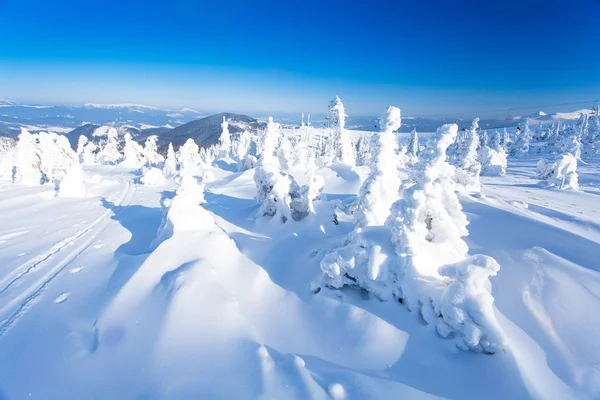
x: 520, y: 147
x: 152, y: 177
x: 73, y: 184
x: 170, y: 166
x: 493, y: 162
x: 468, y: 167
x: 380, y: 189
x: 560, y: 173
x: 132, y: 153
x: 426, y: 267
x: 188, y: 157
x: 109, y: 154
x: 150, y: 153
x: 343, y: 145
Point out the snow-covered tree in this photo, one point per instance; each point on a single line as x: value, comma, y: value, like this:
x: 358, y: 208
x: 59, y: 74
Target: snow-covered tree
x: 495, y: 141
x: 170, y: 166
x: 81, y: 142
x: 468, y: 167
x: 413, y: 146
x: 224, y: 139
x: 343, y: 145
x: 483, y: 139
x: 109, y: 154
x: 380, y: 189
x: 273, y: 189
x: 493, y: 162
x: 302, y: 200
x: 150, y: 153
x: 520, y: 147
x: 427, y: 268
x: 363, y: 151
x: 571, y: 144
x: 88, y: 156
x: 188, y: 157
x: 152, y: 176
x: 28, y: 163
x: 560, y: 173
x: 7, y: 158
x: 285, y: 153
x: 132, y: 153
x: 56, y: 156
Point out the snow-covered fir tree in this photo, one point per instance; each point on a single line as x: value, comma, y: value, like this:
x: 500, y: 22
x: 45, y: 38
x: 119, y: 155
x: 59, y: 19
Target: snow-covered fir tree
x: 413, y: 146
x: 109, y: 154
x: 56, y: 156
x: 188, y: 157
x: 132, y: 153
x: 520, y: 147
x: 468, y: 167
x: 343, y: 145
x: 380, y: 189
x: 88, y: 156
x: 150, y: 153
x: 559, y: 173
x: 224, y: 139
x: 170, y: 166
x: 81, y: 142
x: 27, y: 169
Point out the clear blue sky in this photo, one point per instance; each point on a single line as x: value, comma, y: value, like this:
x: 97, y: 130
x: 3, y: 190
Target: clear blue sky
x: 424, y: 56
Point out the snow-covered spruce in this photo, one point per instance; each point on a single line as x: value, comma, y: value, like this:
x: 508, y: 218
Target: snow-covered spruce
x: 468, y: 167
x: 420, y: 258
x: 56, y: 156
x: 380, y: 189
x: 363, y: 151
x: 188, y: 157
x: 109, y: 154
x: 132, y: 153
x: 7, y: 158
x: 81, y: 142
x: 170, y: 166
x: 412, y: 150
x: 224, y: 139
x: 560, y: 173
x: 27, y: 169
x: 150, y: 153
x: 520, y: 147
x: 344, y: 151
x: 88, y: 156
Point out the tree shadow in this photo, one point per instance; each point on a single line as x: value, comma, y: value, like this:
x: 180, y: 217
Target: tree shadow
x: 345, y: 172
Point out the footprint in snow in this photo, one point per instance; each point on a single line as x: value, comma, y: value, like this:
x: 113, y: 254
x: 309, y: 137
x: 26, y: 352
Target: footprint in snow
x: 62, y: 297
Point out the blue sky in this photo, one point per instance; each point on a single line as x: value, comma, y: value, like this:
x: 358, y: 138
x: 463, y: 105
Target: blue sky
x: 425, y: 56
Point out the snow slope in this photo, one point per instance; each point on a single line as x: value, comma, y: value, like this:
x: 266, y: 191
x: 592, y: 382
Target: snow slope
x: 134, y: 293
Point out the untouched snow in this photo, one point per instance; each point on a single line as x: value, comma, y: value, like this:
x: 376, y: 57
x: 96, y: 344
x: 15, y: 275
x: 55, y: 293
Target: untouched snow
x: 149, y: 292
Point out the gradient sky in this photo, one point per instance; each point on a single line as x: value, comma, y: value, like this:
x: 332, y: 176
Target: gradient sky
x: 425, y: 56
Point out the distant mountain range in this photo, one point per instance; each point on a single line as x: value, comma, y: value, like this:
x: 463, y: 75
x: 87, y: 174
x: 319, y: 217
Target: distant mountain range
x: 62, y: 119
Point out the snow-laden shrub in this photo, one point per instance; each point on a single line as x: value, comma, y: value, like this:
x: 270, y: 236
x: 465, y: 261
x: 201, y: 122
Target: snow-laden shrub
x: 426, y: 267
x: 468, y: 167
x: 73, y: 183
x: 520, y: 147
x: 88, y: 156
x: 224, y: 139
x: 493, y: 162
x: 27, y: 169
x: 152, y: 177
x: 343, y: 145
x: 150, y: 153
x: 302, y: 200
x: 380, y: 189
x: 560, y: 173
x: 170, y: 166
x: 132, y: 153
x: 109, y: 154
x: 188, y: 157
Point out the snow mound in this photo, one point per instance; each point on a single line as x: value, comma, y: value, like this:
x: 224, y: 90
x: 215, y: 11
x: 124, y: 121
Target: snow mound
x: 73, y: 184
x: 153, y: 177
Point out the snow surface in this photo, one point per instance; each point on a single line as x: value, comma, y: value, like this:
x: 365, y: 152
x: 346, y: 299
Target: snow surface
x: 165, y: 292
